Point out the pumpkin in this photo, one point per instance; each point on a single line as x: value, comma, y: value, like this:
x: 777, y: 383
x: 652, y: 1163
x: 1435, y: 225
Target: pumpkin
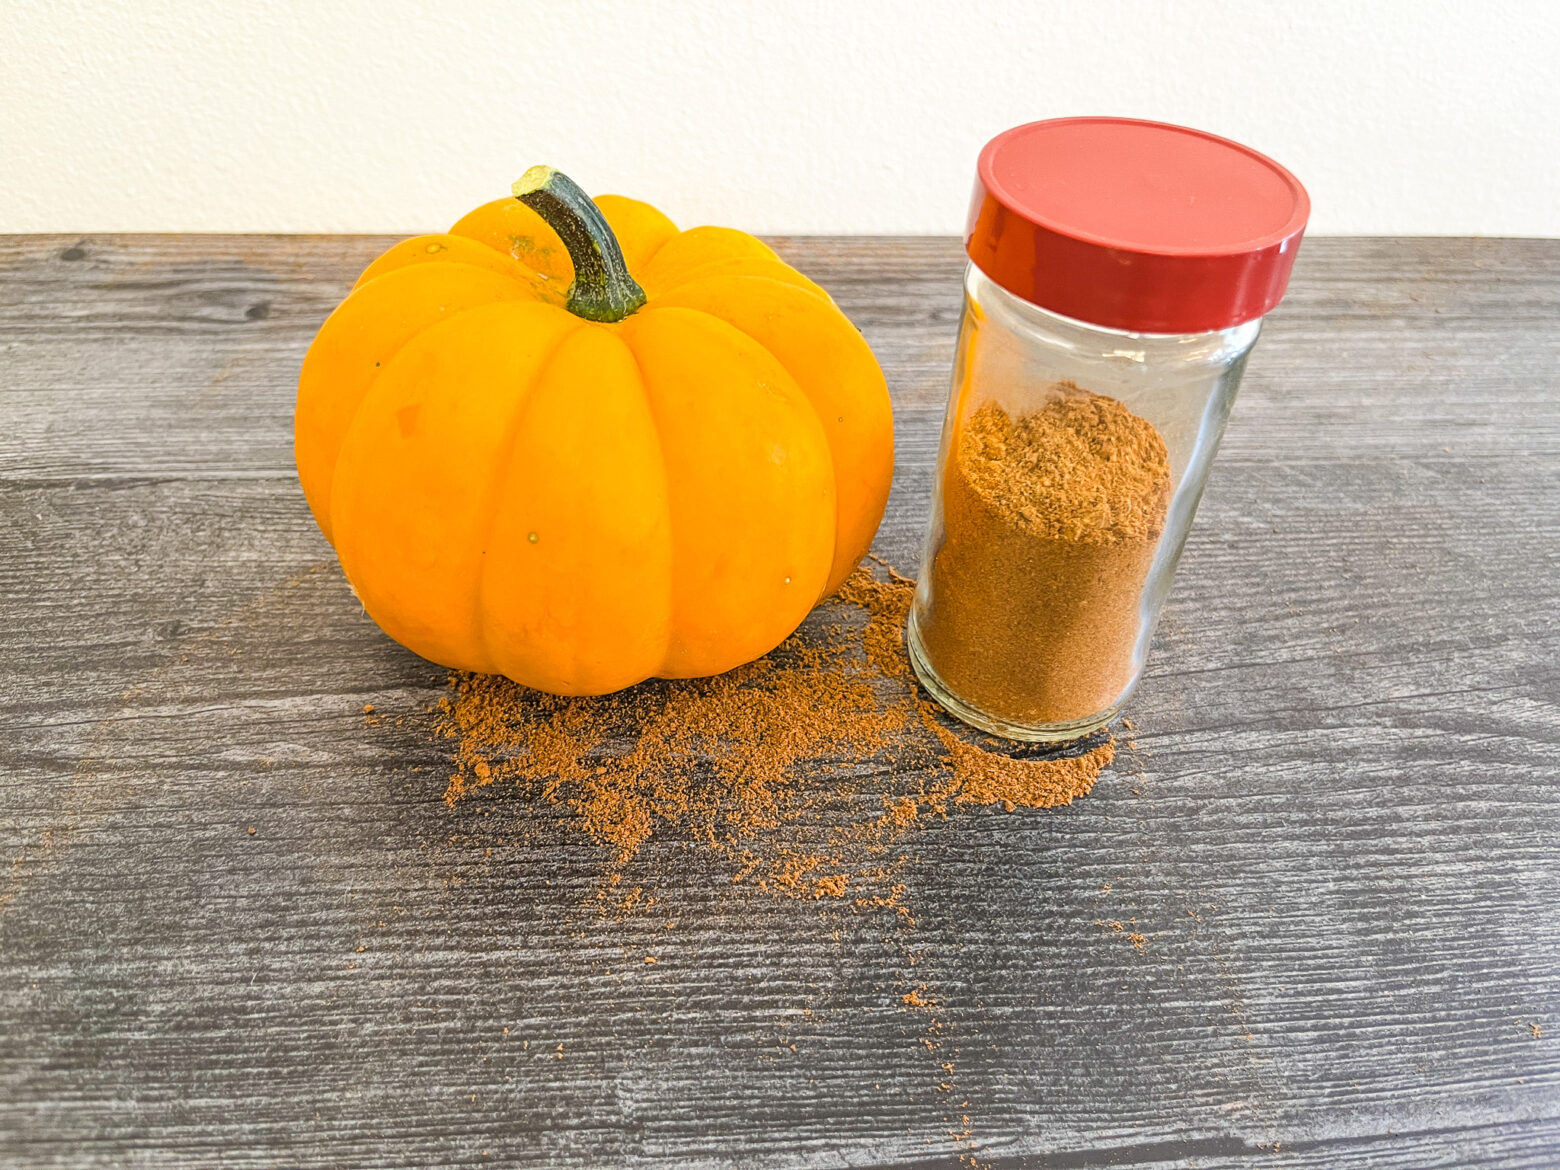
x: 569, y: 443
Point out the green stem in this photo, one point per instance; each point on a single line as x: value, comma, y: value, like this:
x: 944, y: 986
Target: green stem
x: 602, y: 289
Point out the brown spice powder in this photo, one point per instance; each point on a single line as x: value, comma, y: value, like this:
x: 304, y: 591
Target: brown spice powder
x: 1050, y: 524
x: 988, y: 778
x: 806, y: 767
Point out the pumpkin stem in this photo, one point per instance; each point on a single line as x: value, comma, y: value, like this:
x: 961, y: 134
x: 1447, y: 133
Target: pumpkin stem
x: 602, y: 290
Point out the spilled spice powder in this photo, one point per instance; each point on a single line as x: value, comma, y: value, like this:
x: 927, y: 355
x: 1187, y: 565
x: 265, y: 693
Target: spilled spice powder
x: 1050, y: 522
x: 988, y: 778
x: 805, y: 767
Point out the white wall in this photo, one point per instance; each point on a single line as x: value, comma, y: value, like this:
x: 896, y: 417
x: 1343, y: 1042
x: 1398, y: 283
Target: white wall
x: 1417, y: 116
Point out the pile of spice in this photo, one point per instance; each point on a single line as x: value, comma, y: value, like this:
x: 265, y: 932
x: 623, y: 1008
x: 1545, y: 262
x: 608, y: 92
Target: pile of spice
x: 1050, y: 523
x: 804, y: 767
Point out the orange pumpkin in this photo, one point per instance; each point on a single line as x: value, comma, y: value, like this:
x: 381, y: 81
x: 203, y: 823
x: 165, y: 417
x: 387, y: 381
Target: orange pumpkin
x: 532, y: 463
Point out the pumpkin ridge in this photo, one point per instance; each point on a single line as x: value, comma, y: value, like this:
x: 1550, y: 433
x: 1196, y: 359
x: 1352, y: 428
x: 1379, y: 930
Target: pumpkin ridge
x: 544, y: 281
x: 447, y: 248
x: 660, y: 449
x: 802, y: 406
x: 508, y: 255
x: 721, y: 267
x: 506, y: 449
x: 368, y: 387
x: 411, y: 497
x: 328, y: 524
x: 857, y: 462
x: 656, y: 251
x: 559, y: 471
x: 811, y: 406
x: 666, y: 472
x: 646, y: 261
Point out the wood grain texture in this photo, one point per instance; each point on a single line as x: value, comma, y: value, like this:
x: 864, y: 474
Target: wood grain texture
x: 1340, y: 834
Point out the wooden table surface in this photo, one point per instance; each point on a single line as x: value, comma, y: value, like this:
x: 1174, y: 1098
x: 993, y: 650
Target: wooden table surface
x: 1339, y: 835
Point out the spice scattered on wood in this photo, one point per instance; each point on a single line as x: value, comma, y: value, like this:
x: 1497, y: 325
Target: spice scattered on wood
x: 989, y: 778
x: 1049, y: 526
x: 806, y: 767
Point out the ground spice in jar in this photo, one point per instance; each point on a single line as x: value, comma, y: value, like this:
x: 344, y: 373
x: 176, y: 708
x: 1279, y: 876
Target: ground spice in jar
x: 1050, y: 523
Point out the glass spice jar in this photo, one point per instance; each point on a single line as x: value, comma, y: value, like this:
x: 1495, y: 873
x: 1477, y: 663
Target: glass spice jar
x: 1119, y: 271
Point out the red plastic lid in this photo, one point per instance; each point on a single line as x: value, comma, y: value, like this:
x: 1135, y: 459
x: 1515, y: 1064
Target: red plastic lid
x: 1134, y: 225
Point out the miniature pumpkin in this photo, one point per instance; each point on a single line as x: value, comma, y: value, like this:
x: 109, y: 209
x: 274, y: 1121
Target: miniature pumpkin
x: 532, y: 463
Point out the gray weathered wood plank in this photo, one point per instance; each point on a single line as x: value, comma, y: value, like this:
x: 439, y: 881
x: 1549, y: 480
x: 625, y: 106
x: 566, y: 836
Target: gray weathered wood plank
x: 1339, y: 834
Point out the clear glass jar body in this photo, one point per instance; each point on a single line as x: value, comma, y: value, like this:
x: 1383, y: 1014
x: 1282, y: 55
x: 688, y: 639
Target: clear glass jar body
x: 1041, y: 633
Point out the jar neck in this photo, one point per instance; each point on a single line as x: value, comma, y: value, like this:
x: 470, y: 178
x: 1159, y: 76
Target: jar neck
x: 1216, y: 348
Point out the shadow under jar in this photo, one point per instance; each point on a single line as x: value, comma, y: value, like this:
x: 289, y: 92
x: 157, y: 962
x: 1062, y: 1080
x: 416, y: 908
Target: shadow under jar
x: 1118, y: 274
